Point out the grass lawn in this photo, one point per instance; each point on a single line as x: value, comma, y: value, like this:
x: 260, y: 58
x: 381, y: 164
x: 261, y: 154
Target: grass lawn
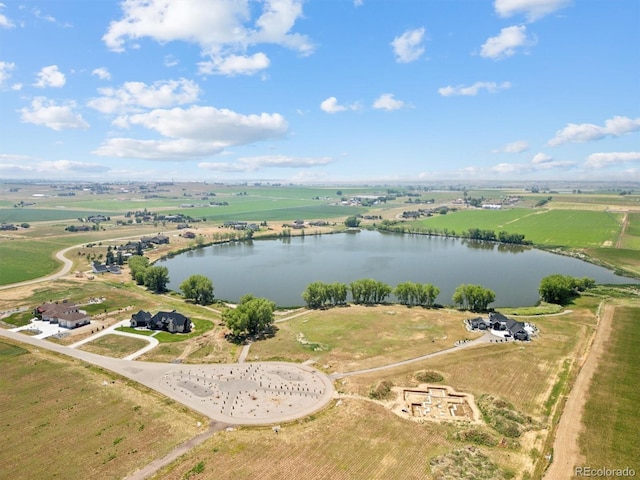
x: 53, y: 405
x: 116, y: 346
x: 611, y: 411
x: 358, y: 337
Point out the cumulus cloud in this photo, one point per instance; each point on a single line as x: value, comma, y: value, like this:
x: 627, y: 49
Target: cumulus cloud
x: 518, y: 146
x: 102, y: 73
x: 135, y: 95
x: 5, y: 71
x: 48, y: 113
x: 506, y: 43
x: 409, y: 46
x: 386, y: 101
x: 533, y: 9
x: 331, y: 105
x: 601, y: 160
x: 250, y: 164
x: 222, y: 28
x: 588, y: 132
x: 472, y: 90
x: 50, y: 77
x: 194, y: 132
x: 538, y: 163
x: 233, y: 65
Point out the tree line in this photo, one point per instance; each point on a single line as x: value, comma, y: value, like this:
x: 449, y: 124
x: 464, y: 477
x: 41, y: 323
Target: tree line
x: 370, y: 292
x: 472, y: 233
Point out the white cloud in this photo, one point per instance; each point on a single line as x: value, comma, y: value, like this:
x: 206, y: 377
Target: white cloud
x: 135, y: 95
x: 491, y: 87
x: 601, y: 160
x: 587, y: 132
x: 194, y: 132
x: 512, y: 168
x: 232, y: 65
x: 221, y: 28
x: 506, y: 43
x: 514, y: 147
x: 533, y: 9
x: 4, y: 21
x: 170, y: 61
x: 157, y: 149
x: 250, y: 164
x: 5, y: 71
x: 331, y: 105
x: 48, y: 113
x: 50, y: 77
x: 358, y: 3
x: 540, y: 158
x: 102, y: 73
x: 387, y: 102
x: 71, y: 166
x: 409, y: 46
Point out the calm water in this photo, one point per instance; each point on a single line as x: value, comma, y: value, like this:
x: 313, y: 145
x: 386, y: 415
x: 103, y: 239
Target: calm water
x: 281, y: 269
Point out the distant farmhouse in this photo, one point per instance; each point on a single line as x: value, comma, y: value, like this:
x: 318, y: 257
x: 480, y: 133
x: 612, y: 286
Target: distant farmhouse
x: 500, y: 323
x: 172, y: 322
x: 66, y: 314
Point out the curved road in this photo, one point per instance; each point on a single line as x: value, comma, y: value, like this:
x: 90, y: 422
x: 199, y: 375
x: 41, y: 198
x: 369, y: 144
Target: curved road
x: 66, y: 268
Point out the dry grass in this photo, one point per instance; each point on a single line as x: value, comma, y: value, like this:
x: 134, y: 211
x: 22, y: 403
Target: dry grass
x: 116, y: 346
x: 63, y: 419
x: 355, y: 337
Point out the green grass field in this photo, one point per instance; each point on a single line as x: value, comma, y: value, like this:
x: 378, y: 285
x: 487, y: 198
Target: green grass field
x: 570, y: 228
x: 19, y: 215
x: 25, y: 259
x: 611, y: 411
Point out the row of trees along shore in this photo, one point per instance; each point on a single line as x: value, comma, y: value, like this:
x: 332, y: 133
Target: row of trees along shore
x: 370, y: 292
x: 472, y: 233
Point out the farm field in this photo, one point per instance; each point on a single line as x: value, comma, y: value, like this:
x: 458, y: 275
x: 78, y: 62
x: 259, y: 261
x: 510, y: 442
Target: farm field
x: 52, y: 405
x: 569, y: 228
x: 611, y: 408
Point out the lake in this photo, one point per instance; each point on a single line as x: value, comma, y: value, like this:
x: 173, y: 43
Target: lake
x: 281, y: 269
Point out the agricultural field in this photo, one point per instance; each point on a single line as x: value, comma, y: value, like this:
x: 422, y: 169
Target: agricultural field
x: 53, y: 405
x: 568, y: 228
x: 611, y: 409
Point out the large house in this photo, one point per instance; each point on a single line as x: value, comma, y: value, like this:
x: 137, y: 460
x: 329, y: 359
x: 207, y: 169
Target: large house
x: 500, y: 323
x: 65, y: 314
x: 172, y: 322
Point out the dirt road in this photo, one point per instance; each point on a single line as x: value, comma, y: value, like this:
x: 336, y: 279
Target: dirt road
x: 566, y: 452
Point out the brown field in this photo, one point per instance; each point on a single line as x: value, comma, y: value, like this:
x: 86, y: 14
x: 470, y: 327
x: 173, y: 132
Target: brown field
x: 63, y: 419
x: 356, y: 337
x: 357, y: 439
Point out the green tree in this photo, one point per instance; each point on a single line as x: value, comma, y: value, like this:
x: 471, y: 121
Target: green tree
x: 427, y: 294
x: 352, y: 222
x: 473, y: 297
x: 156, y: 279
x: 198, y: 288
x: 560, y: 289
x: 251, y: 317
x: 315, y: 295
x: 338, y: 293
x: 138, y: 266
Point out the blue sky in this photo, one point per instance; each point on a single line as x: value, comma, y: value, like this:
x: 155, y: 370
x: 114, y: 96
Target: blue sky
x: 320, y: 91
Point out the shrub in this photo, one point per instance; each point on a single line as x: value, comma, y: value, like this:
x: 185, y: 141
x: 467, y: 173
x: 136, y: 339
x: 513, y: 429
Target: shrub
x: 428, y: 376
x: 381, y: 391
